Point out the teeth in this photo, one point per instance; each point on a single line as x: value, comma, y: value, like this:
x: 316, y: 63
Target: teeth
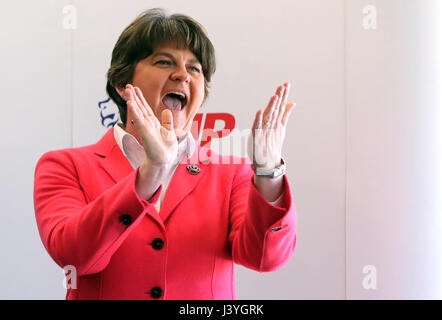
x: 179, y: 93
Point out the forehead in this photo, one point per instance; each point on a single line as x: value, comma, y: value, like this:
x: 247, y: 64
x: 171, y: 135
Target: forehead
x: 171, y: 51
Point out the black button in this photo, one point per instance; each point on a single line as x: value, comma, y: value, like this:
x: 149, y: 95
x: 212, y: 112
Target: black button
x: 156, y: 292
x: 276, y: 229
x: 126, y: 219
x: 158, y: 244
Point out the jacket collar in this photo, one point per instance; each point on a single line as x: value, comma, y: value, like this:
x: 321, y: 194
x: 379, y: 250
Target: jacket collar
x: 112, y: 159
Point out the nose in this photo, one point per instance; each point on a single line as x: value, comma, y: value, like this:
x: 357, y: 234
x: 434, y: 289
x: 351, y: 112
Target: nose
x: 180, y: 73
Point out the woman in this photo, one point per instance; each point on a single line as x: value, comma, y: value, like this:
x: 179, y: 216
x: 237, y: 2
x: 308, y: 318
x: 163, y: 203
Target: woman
x: 103, y: 209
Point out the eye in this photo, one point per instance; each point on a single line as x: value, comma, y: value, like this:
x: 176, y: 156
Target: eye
x: 195, y: 69
x: 163, y: 62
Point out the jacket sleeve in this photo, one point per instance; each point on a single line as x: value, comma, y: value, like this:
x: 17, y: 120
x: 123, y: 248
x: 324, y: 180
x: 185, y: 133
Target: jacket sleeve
x: 74, y: 232
x: 262, y: 236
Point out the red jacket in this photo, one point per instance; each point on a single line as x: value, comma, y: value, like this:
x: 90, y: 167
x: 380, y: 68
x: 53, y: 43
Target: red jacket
x: 90, y: 216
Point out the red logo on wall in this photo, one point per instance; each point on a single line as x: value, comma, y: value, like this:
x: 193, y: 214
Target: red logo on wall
x: 208, y: 127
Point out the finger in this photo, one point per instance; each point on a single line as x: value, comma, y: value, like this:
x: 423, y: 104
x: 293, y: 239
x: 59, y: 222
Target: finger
x: 282, y: 108
x: 138, y: 101
x: 266, y: 116
x: 138, y: 121
x: 279, y: 92
x: 258, y: 119
x: 144, y: 102
x: 256, y: 129
x: 129, y: 94
x: 257, y: 122
x: 134, y: 116
x: 288, y: 111
x: 167, y: 119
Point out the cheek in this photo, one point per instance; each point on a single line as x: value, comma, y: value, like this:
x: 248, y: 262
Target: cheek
x: 150, y: 83
x: 199, y: 93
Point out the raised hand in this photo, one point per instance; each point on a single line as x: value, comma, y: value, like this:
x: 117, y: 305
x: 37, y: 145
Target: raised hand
x: 158, y: 137
x: 268, y: 131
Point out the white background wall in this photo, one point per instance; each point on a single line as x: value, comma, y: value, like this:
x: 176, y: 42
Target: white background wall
x: 360, y: 146
x: 393, y: 102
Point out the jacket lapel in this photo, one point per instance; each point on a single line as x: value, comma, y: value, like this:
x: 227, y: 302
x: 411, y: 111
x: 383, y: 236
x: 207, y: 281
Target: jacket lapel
x: 112, y: 159
x: 183, y: 181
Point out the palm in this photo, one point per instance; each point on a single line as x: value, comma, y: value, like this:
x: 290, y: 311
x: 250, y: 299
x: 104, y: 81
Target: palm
x: 158, y: 138
x: 268, y: 130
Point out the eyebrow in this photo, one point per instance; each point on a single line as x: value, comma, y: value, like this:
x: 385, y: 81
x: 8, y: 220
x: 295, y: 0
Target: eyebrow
x: 172, y: 57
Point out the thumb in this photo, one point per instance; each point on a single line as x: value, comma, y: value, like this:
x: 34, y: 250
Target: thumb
x: 288, y: 110
x: 167, y: 119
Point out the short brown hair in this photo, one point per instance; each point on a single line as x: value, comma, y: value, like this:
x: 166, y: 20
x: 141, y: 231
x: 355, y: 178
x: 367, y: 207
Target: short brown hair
x: 150, y: 29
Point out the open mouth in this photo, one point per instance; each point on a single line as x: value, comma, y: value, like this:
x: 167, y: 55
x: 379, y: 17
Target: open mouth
x: 174, y: 101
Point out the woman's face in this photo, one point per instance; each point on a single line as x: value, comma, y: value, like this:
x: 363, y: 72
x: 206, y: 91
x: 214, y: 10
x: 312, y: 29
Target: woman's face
x: 169, y: 70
